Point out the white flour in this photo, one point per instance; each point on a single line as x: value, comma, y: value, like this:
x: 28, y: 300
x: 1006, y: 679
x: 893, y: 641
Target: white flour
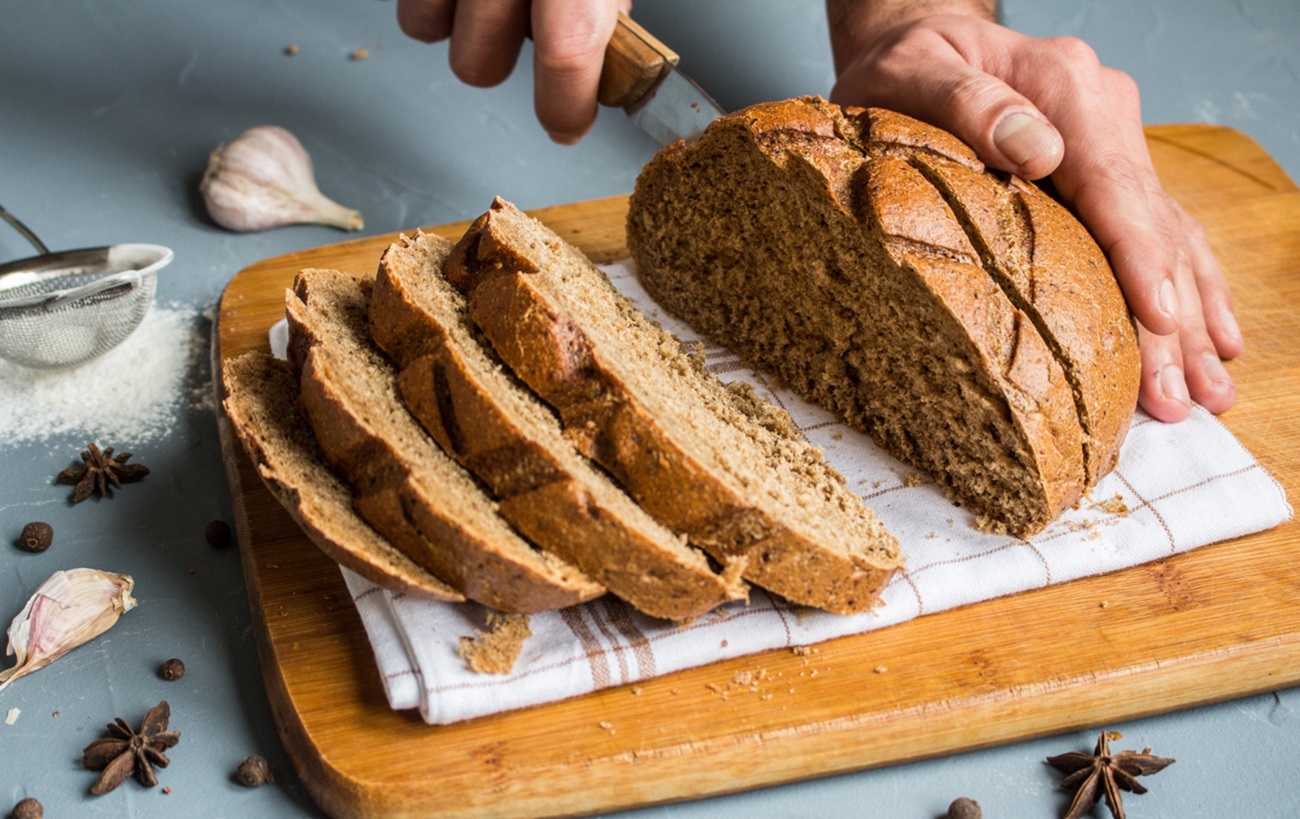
x: 130, y: 394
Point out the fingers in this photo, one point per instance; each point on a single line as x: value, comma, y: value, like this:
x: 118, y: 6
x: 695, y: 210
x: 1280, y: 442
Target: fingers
x: 569, y: 51
x: 426, y: 20
x: 487, y: 36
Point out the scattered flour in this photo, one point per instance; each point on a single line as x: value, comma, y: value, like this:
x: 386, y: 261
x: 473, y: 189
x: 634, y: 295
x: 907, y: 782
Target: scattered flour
x: 131, y: 393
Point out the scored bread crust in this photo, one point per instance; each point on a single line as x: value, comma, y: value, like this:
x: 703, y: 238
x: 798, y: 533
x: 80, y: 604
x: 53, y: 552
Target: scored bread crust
x: 493, y: 426
x: 261, y: 403
x: 404, y: 485
x: 517, y: 274
x: 826, y: 244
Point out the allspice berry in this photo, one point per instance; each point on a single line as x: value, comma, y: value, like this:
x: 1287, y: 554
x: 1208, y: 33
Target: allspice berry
x: 36, y: 537
x: 29, y: 808
x: 253, y: 772
x: 217, y: 533
x: 172, y: 670
x: 963, y: 807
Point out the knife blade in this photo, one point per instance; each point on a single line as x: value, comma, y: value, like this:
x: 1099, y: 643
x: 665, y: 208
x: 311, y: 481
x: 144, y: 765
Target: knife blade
x: 640, y: 76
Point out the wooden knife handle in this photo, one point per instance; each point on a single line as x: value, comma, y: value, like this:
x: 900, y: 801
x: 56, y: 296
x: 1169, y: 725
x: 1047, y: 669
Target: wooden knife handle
x: 634, y: 62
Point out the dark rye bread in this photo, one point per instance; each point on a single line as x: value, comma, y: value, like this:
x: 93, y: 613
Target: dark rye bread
x: 496, y: 428
x: 962, y: 318
x: 403, y: 483
x: 712, y: 461
x: 261, y: 402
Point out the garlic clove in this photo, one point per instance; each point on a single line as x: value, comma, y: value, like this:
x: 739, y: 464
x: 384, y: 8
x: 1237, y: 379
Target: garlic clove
x: 264, y: 179
x: 72, y: 607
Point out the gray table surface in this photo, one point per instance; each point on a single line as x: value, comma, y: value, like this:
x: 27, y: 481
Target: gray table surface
x: 107, y: 113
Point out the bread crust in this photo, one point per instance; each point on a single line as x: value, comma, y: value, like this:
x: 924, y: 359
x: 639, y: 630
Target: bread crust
x: 404, y: 485
x: 558, y: 501
x: 261, y: 396
x: 891, y: 205
x: 503, y: 264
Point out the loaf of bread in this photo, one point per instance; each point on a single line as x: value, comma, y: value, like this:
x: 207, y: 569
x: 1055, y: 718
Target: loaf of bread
x: 261, y: 403
x: 714, y: 462
x: 404, y: 485
x: 962, y: 318
x: 497, y: 428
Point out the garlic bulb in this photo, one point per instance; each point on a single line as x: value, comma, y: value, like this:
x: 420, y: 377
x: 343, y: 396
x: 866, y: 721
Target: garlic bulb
x: 70, y: 608
x: 264, y: 179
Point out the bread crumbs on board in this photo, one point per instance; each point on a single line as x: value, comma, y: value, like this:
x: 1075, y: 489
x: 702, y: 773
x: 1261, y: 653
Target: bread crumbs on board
x: 494, y: 651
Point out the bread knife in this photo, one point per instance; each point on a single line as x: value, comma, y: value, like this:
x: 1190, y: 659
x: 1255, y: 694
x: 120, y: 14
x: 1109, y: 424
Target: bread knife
x: 640, y: 76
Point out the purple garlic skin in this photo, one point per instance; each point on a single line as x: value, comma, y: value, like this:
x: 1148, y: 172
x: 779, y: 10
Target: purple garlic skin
x: 264, y: 179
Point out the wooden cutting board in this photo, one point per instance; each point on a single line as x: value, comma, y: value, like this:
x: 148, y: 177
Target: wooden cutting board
x: 1217, y: 623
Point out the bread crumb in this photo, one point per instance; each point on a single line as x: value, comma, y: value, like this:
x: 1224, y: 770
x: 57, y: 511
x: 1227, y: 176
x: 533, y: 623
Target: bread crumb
x: 743, y: 678
x: 494, y: 651
x: 880, y: 669
x: 800, y: 651
x: 914, y: 479
x: 1113, y: 506
x: 12, y: 716
x: 1104, y: 604
x: 725, y: 644
x: 291, y: 49
x: 636, y: 690
x: 359, y: 54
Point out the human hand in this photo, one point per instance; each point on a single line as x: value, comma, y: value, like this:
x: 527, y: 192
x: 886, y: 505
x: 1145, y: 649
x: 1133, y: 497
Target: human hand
x: 1040, y: 107
x: 569, y: 38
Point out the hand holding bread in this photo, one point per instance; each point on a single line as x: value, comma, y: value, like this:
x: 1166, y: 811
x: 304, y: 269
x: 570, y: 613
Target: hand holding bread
x: 1047, y: 107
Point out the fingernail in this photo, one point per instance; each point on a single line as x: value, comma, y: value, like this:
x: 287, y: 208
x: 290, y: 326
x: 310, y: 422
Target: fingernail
x: 1168, y: 301
x: 1229, y: 322
x: 1214, y: 369
x: 1022, y: 137
x: 1173, y: 385
x: 563, y: 139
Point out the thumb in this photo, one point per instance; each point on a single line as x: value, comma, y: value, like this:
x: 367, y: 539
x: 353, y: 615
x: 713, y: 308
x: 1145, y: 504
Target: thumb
x: 1005, y: 129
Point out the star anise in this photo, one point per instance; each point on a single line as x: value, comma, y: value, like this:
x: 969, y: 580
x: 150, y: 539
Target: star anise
x: 1105, y: 774
x: 98, y: 470
x: 125, y: 752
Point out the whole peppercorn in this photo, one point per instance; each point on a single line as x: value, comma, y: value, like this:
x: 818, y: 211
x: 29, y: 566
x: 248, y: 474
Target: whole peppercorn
x: 172, y: 670
x: 253, y: 772
x: 36, y: 536
x: 217, y: 533
x: 963, y: 807
x: 28, y: 808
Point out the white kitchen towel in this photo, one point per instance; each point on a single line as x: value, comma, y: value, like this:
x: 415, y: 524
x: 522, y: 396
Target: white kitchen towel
x: 1177, y: 487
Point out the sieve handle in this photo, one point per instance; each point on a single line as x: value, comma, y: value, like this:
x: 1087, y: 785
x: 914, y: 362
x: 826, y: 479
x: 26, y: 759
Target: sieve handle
x: 24, y: 230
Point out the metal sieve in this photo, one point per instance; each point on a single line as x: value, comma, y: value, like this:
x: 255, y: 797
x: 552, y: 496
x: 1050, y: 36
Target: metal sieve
x: 62, y: 309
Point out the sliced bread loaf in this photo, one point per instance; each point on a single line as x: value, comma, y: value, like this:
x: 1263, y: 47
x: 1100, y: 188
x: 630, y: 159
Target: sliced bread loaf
x: 963, y: 319
x: 261, y: 402
x: 714, y: 462
x: 404, y: 484
x: 496, y: 428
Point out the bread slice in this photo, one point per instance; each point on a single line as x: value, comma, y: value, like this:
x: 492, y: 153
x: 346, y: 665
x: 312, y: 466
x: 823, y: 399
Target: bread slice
x: 261, y: 402
x: 496, y: 428
x: 712, y: 461
x: 822, y: 244
x: 404, y: 485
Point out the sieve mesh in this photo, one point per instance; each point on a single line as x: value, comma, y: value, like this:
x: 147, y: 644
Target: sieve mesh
x: 63, y: 332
